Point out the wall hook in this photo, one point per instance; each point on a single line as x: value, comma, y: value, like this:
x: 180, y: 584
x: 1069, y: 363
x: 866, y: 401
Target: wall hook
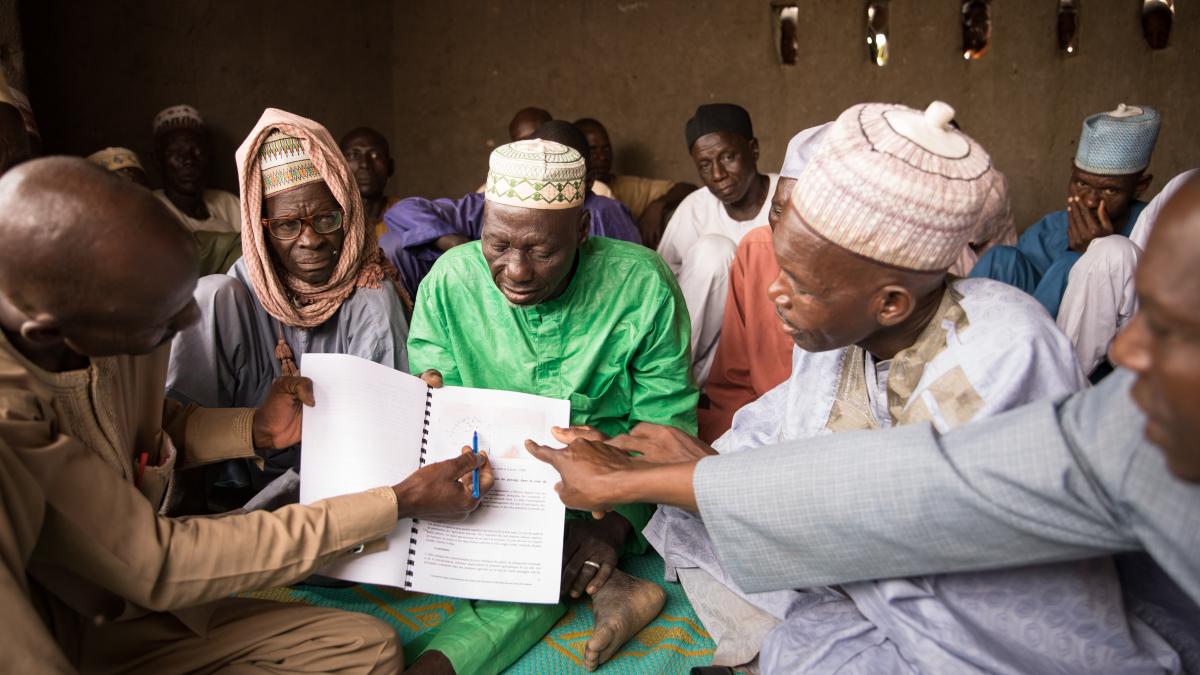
x: 1157, y: 17
x: 1067, y: 27
x: 787, y: 14
x: 976, y: 28
x: 878, y: 31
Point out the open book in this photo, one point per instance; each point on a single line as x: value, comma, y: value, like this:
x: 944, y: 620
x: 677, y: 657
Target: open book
x: 373, y: 426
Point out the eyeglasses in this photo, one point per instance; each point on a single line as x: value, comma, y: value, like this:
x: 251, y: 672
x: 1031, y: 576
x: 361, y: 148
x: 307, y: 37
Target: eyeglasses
x: 290, y: 228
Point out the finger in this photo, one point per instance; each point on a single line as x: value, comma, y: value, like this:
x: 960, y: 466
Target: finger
x: 466, y: 462
x: 546, y: 454
x: 583, y: 575
x: 571, y: 433
x: 599, y: 515
x: 304, y: 391
x: 486, y: 478
x: 1088, y: 217
x: 1102, y: 215
x: 598, y: 581
x: 432, y: 378
x: 630, y: 443
x: 571, y: 570
x: 647, y: 429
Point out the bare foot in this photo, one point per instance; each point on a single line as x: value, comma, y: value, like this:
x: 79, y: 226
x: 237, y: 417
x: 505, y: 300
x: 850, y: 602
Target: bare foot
x: 622, y: 607
x: 431, y: 663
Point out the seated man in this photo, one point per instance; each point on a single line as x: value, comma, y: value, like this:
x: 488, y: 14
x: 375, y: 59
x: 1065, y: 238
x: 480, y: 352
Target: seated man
x: 311, y: 280
x: 1114, y: 469
x: 703, y: 235
x: 1106, y: 180
x: 754, y: 354
x: 92, y: 577
x: 182, y: 152
x: 884, y: 338
x: 215, y: 251
x: 538, y: 306
x: 650, y: 200
x: 370, y: 159
x: 526, y: 122
x: 1100, y: 296
x: 420, y: 229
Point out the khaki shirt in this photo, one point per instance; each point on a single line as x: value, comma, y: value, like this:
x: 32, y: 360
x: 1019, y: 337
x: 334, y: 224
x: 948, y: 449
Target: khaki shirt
x: 81, y: 535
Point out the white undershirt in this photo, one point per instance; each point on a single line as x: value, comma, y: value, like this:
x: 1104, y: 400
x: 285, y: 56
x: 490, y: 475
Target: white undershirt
x: 876, y: 377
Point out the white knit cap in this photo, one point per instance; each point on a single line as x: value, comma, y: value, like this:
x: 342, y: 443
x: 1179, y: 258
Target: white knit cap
x: 896, y: 185
x: 177, y: 117
x: 801, y: 149
x: 535, y: 174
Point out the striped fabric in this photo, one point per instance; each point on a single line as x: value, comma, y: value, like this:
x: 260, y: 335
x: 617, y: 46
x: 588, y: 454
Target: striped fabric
x: 882, y: 195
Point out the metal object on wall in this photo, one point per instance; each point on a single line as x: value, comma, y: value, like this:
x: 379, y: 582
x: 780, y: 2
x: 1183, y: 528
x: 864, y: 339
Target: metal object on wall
x: 787, y: 14
x: 1157, y: 17
x: 976, y: 28
x: 878, y: 30
x: 1067, y: 27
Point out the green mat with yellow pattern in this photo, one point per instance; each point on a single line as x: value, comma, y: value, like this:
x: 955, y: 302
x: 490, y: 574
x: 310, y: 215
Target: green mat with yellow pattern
x: 672, y: 643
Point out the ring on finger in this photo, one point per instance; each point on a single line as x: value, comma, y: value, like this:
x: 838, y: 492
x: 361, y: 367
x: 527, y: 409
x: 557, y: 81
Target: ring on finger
x: 589, y: 563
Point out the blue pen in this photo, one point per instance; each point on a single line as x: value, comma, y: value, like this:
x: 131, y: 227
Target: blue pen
x: 475, y: 473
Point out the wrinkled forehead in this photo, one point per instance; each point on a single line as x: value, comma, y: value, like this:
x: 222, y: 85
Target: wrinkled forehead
x: 365, y: 140
x: 516, y: 224
x: 712, y: 144
x: 1123, y: 181
x: 192, y: 136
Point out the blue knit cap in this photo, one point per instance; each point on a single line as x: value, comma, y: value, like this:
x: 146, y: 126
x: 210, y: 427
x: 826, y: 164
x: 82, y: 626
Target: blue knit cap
x: 1119, y: 142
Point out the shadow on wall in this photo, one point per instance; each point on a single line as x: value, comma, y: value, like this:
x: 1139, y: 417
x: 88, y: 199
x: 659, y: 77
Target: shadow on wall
x: 635, y: 159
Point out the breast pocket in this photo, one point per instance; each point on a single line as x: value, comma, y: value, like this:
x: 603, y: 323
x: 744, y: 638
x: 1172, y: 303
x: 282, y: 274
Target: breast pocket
x: 612, y: 401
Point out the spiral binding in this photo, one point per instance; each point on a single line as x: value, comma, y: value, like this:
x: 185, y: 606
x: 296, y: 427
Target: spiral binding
x: 412, y: 539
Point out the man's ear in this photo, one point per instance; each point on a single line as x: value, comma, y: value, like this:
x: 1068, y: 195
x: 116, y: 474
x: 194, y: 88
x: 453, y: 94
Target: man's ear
x: 895, y: 304
x: 1142, y: 184
x: 754, y: 148
x: 42, y: 329
x: 585, y: 224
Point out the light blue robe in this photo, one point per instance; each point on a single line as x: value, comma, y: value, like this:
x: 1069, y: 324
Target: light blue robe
x: 1055, y: 618
x: 1041, y: 261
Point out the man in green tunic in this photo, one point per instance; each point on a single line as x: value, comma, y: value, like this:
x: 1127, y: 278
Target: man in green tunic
x: 539, y: 307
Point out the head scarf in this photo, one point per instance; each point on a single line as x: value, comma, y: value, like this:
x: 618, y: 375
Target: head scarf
x: 290, y: 300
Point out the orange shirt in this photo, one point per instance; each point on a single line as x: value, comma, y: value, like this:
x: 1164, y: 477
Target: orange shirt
x: 754, y: 354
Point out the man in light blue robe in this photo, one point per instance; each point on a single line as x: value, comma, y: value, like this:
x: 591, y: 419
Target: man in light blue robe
x: 1107, y: 178
x: 1112, y: 469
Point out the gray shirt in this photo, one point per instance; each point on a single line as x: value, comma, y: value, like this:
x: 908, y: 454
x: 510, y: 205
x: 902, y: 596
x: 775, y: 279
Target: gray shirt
x: 227, y: 359
x: 1047, y: 482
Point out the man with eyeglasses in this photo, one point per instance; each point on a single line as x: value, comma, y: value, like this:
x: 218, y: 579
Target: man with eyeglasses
x: 183, y: 155
x: 311, y: 280
x: 370, y: 159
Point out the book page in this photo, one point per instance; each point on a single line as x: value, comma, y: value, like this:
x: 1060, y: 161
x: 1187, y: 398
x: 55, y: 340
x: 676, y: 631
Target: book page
x: 511, y: 548
x: 364, y: 432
